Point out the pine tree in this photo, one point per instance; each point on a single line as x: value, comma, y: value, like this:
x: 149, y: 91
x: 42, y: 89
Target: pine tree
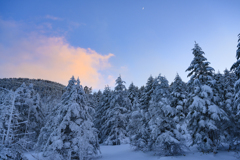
x: 117, y: 115
x: 87, y: 90
x: 228, y: 81
x: 22, y: 117
x: 204, y: 115
x: 89, y: 99
x: 97, y: 96
x: 10, y: 129
x: 101, y: 115
x: 141, y: 138
x: 132, y: 92
x: 165, y: 138
x: 73, y: 135
x: 28, y: 104
x: 217, y: 85
x: 141, y: 90
x: 228, y: 128
x: 236, y: 110
x: 179, y: 99
x: 146, y: 96
x: 135, y: 123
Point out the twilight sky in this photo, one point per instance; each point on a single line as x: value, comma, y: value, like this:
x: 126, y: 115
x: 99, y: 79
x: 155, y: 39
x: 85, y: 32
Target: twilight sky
x: 98, y: 39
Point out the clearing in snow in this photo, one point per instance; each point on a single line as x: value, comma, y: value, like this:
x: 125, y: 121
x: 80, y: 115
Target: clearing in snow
x: 125, y: 152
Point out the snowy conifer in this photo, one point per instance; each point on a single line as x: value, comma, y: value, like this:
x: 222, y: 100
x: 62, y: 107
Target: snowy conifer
x: 236, y: 109
x: 10, y: 129
x: 218, y: 90
x: 90, y: 100
x: 228, y: 128
x: 141, y: 90
x: 117, y: 115
x: 135, y: 123
x: 132, y: 92
x: 146, y: 96
x: 165, y: 138
x: 97, y: 96
x: 204, y: 115
x: 73, y: 135
x: 97, y: 100
x: 141, y: 138
x: 229, y: 78
x: 101, y: 115
x: 179, y: 98
x: 28, y: 104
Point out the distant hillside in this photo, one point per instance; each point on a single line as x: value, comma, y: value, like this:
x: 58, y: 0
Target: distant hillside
x: 44, y: 87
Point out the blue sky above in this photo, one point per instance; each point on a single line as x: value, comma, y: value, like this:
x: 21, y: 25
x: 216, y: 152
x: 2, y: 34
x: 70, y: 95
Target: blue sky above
x: 145, y: 37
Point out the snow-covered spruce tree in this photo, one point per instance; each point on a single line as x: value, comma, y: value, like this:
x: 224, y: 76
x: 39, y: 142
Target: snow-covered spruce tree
x: 179, y: 99
x: 48, y: 128
x: 101, y: 115
x: 204, y: 115
x: 146, y: 95
x: 89, y: 99
x: 165, y: 137
x: 140, y: 139
x: 135, y: 123
x: 117, y: 115
x: 73, y: 135
x: 30, y: 120
x: 228, y: 128
x: 10, y: 129
x: 132, y: 92
x: 140, y: 91
x: 97, y: 96
x: 217, y: 85
x: 236, y: 109
x: 229, y: 78
x: 3, y: 92
x: 87, y: 90
x: 223, y: 98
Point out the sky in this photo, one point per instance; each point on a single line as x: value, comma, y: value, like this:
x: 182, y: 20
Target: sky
x: 99, y: 40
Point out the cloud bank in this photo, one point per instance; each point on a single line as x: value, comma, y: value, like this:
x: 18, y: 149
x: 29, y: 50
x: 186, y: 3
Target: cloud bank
x: 33, y: 55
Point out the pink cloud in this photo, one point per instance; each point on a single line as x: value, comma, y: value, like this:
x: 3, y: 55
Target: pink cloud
x: 53, y: 58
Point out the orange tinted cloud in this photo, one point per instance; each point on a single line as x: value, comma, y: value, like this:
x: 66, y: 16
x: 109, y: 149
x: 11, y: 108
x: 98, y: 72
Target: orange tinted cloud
x: 54, y: 59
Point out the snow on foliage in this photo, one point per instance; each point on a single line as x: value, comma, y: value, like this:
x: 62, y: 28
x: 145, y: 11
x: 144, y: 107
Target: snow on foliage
x: 21, y: 121
x: 140, y: 133
x: 156, y: 117
x: 236, y: 109
x: 179, y: 94
x: 101, y: 115
x: 72, y: 135
x: 117, y: 116
x: 165, y: 139
x: 204, y: 117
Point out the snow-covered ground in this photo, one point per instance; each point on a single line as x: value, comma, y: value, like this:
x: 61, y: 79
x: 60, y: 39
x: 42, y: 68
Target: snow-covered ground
x: 124, y: 152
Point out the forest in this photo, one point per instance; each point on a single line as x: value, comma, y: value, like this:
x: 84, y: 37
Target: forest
x: 73, y: 122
